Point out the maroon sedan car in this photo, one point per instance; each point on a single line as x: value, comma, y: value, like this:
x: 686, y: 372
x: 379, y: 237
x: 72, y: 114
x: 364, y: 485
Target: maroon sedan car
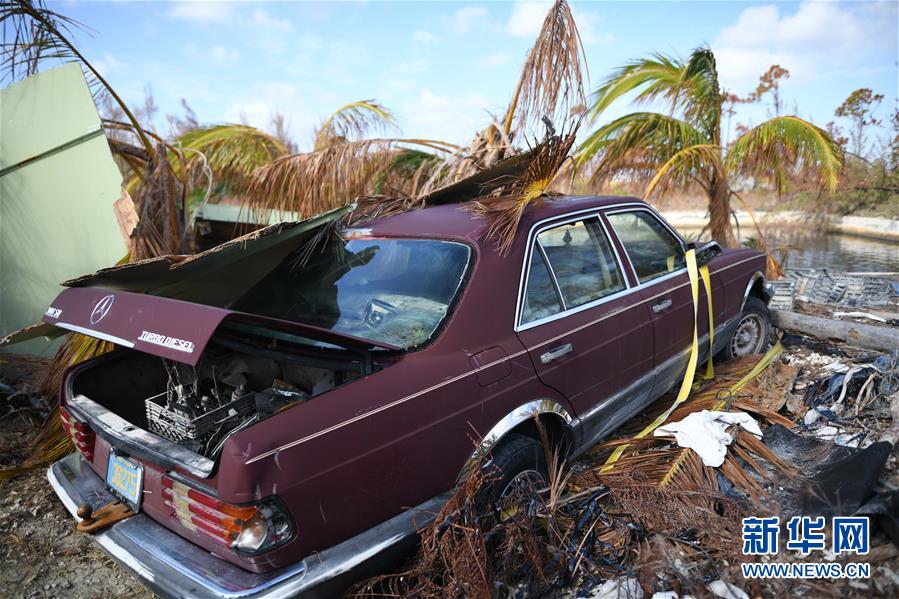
x: 280, y: 444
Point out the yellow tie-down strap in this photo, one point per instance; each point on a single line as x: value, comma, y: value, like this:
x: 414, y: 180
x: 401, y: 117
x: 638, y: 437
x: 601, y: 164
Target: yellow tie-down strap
x: 687, y: 384
x: 707, y: 283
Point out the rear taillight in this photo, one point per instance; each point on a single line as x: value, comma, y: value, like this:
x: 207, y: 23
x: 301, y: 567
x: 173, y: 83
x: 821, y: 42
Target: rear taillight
x: 82, y: 435
x: 250, y: 529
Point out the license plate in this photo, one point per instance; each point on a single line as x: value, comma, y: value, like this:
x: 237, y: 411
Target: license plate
x: 126, y: 479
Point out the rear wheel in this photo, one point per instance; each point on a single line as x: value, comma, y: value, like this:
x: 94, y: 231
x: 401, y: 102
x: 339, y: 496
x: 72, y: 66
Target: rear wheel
x: 518, y: 468
x: 752, y: 332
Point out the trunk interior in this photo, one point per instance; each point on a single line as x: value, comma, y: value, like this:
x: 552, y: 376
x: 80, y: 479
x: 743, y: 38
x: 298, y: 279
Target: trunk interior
x: 245, y: 374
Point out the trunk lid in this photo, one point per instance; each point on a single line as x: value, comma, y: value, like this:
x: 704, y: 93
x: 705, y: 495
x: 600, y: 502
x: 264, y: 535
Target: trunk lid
x: 169, y: 328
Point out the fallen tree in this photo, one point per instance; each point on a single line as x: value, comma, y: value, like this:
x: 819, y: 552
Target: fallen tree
x: 855, y: 333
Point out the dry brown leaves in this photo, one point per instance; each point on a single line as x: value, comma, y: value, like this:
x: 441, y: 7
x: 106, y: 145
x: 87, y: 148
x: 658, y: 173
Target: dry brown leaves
x: 505, y: 199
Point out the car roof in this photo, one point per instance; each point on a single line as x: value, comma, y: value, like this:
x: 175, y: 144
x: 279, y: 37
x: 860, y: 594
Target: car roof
x: 460, y: 221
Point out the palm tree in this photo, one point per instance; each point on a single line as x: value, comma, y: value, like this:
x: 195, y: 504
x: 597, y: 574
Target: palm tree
x: 683, y: 147
x: 353, y: 121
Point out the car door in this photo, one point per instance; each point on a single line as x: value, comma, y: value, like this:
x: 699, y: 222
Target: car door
x: 586, y: 331
x: 657, y: 258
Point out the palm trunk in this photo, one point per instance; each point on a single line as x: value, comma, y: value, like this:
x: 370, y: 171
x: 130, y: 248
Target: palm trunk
x: 719, y: 212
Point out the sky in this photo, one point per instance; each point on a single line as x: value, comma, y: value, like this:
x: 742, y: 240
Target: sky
x: 444, y: 67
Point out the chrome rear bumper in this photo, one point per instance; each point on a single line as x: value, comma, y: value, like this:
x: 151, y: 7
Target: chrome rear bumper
x: 173, y: 567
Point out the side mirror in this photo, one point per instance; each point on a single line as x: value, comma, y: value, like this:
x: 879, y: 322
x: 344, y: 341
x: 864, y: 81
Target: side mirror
x: 706, y: 252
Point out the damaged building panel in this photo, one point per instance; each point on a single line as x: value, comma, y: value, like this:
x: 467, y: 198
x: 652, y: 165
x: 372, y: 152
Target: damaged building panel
x: 57, y: 180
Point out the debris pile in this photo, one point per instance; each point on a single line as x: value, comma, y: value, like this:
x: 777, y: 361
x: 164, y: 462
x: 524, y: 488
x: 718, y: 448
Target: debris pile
x: 808, y: 431
x: 831, y: 288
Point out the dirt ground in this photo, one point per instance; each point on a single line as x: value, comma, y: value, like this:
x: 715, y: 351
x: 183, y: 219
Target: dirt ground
x: 41, y: 553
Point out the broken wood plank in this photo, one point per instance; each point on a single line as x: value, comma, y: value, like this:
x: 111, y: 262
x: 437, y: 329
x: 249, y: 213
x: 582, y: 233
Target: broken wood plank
x: 867, y: 336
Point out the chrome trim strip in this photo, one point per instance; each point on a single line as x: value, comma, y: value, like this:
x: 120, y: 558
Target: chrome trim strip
x: 552, y: 274
x: 522, y: 287
x: 397, y: 402
x: 755, y: 277
x: 702, y: 341
x: 136, y: 441
x: 659, y: 218
x: 172, y: 566
x: 458, y: 377
x: 92, y: 333
x: 508, y: 422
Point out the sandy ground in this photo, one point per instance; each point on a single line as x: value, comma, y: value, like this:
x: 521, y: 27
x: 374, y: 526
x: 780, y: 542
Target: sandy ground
x: 41, y: 553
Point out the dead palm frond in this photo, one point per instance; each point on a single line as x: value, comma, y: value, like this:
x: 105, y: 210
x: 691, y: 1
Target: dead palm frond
x: 343, y: 166
x: 369, y: 208
x: 316, y: 182
x: 551, y: 83
x: 550, y: 86
x: 505, y: 199
x: 662, y: 465
x: 161, y: 210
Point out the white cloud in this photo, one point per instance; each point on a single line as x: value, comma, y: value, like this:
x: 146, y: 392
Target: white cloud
x: 262, y: 19
x: 497, y: 59
x: 527, y: 17
x: 227, y: 12
x: 108, y: 64
x: 466, y: 17
x: 222, y: 55
x: 204, y: 12
x: 589, y: 26
x: 425, y: 37
x: 455, y: 119
x: 257, y: 105
x: 817, y: 38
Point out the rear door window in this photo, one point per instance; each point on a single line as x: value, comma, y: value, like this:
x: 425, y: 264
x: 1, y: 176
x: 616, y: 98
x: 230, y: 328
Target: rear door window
x: 653, y: 250
x: 582, y: 261
x: 540, y: 298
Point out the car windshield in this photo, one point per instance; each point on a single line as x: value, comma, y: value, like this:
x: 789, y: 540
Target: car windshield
x: 395, y: 291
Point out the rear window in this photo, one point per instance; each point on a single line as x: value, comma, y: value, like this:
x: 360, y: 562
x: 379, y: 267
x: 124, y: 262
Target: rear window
x: 396, y: 291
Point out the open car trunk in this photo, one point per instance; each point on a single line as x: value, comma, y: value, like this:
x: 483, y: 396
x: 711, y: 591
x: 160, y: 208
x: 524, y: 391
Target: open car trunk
x: 189, y: 376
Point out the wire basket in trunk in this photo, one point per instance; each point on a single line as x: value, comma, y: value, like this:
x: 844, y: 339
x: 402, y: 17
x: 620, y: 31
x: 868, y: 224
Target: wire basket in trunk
x: 178, y: 426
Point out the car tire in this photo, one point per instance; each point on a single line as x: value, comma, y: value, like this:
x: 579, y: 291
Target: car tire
x: 752, y: 333
x: 518, y: 460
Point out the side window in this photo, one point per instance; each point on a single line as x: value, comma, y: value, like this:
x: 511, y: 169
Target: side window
x: 653, y: 250
x: 581, y: 259
x: 540, y: 297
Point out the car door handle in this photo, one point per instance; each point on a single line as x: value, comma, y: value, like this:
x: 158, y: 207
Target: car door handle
x: 556, y: 353
x: 662, y: 305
